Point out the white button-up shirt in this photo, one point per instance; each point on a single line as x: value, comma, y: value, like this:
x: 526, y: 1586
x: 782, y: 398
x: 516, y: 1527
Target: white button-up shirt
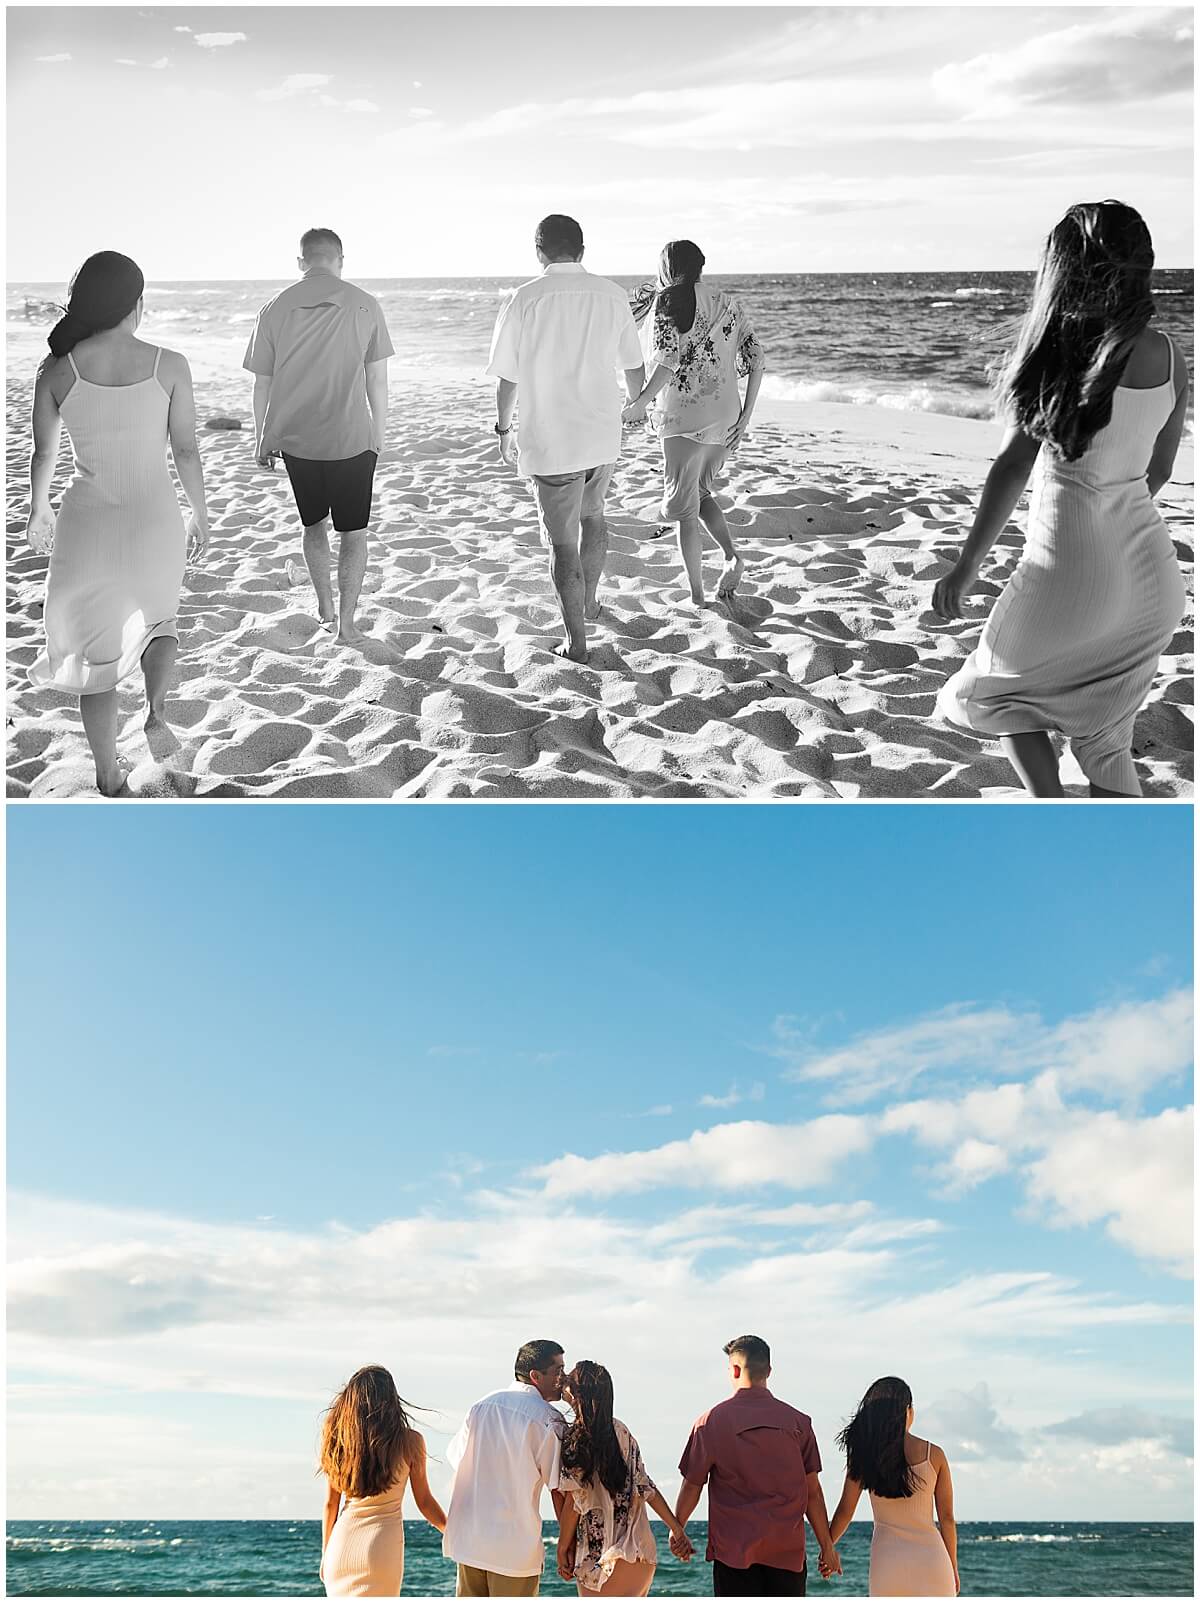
x: 561, y: 339
x: 506, y: 1450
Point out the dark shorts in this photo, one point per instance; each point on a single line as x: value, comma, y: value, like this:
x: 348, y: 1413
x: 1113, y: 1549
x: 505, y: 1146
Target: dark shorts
x: 759, y: 1580
x: 342, y: 489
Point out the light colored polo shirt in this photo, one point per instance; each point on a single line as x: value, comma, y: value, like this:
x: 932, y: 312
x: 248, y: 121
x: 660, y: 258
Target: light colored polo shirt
x: 562, y: 338
x: 314, y: 341
x: 507, y: 1449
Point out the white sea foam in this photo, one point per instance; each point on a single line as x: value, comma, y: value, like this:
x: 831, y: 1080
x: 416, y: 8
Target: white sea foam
x: 917, y: 398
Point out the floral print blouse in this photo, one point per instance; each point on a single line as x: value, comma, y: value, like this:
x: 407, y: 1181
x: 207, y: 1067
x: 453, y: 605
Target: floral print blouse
x: 612, y: 1528
x: 702, y: 398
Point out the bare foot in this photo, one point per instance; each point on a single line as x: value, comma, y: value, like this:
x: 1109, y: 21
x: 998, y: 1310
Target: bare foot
x: 731, y: 574
x: 112, y: 781
x: 351, y: 635
x: 161, y: 739
x: 572, y: 653
x: 326, y: 623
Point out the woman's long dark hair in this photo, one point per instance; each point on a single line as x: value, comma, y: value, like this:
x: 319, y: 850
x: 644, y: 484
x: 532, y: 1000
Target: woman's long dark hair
x: 874, y: 1440
x: 679, y: 269
x: 367, y: 1434
x: 102, y: 294
x: 590, y: 1447
x: 1091, y: 300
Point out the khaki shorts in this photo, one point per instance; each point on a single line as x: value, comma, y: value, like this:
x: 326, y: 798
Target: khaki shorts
x: 565, y: 499
x: 689, y: 473
x: 487, y: 1583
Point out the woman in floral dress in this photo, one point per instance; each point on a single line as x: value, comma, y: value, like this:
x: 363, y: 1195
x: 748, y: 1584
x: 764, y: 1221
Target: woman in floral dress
x: 605, y: 1543
x: 698, y: 343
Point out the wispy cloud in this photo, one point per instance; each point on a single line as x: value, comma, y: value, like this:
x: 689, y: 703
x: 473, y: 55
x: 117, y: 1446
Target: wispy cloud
x: 63, y: 55
x: 296, y: 83
x: 735, y: 1094
x: 216, y: 41
x: 1111, y: 1427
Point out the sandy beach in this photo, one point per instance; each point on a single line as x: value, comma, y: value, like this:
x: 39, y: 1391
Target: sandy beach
x: 817, y: 680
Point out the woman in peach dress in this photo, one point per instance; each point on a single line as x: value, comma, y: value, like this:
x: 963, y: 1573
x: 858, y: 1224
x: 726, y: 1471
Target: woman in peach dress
x: 908, y: 1479
x: 370, y: 1454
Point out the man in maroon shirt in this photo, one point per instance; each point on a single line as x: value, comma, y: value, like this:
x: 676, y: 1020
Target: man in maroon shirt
x: 759, y: 1458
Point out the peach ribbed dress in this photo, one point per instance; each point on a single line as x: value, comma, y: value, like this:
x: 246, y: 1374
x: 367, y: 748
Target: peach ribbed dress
x: 1074, y: 641
x: 908, y: 1557
x: 116, y: 566
x: 365, y: 1556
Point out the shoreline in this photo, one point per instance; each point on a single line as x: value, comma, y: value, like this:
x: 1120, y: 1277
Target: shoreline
x: 817, y: 680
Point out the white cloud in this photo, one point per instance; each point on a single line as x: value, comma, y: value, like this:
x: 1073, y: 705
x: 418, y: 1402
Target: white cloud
x: 63, y: 55
x: 296, y: 83
x: 734, y: 1095
x: 123, y: 61
x: 1113, y: 1427
x: 1132, y: 54
x: 163, y: 61
x: 182, y: 28
x: 217, y: 41
x: 361, y: 105
x: 967, y: 1425
x: 726, y: 1157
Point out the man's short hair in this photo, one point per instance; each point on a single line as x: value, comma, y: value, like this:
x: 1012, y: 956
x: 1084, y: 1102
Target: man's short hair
x: 753, y: 1354
x: 535, y: 1355
x: 320, y: 242
x: 559, y: 236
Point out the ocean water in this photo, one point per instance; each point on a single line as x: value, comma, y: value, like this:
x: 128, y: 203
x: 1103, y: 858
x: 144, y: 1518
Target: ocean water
x: 917, y: 341
x: 271, y: 1558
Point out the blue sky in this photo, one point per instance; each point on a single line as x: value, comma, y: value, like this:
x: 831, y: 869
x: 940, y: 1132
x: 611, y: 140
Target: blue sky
x: 840, y: 138
x: 293, y: 1089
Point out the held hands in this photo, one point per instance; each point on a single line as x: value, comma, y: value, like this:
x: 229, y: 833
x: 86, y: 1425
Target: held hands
x: 566, y: 1563
x: 831, y: 1562
x: 634, y: 412
x: 950, y: 592
x: 681, y: 1544
x: 39, y: 529
x: 197, y: 538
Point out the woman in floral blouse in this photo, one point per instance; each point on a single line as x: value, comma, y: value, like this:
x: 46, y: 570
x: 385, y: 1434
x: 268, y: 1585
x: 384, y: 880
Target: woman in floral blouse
x: 698, y: 343
x: 605, y: 1542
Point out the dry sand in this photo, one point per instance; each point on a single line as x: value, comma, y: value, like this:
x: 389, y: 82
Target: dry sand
x: 818, y: 679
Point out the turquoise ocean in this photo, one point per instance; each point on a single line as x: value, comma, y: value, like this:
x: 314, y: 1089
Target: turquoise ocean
x: 272, y: 1558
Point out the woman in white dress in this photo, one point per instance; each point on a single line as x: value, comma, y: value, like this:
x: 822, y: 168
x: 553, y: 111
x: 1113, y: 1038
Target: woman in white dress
x: 1096, y: 398
x: 118, y: 545
x: 698, y: 343
x: 909, y: 1483
x: 370, y: 1454
x: 605, y: 1543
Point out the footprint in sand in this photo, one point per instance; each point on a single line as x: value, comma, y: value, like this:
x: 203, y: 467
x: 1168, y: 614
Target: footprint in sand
x: 260, y: 748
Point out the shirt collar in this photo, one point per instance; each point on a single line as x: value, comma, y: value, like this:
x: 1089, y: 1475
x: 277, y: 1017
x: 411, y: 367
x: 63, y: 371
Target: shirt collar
x: 563, y: 267
x: 523, y: 1385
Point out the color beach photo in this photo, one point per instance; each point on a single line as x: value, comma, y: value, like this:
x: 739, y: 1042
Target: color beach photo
x: 335, y: 541
x: 361, y: 1189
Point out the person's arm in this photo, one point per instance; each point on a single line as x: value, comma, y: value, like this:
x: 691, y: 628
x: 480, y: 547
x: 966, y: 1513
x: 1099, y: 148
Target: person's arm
x: 1162, y: 458
x: 418, y: 1479
x: 333, y: 1503
x: 818, y: 1518
x: 181, y: 430
x: 844, y: 1512
x: 47, y: 432
x: 377, y: 400
x: 685, y: 1507
x: 262, y: 395
x: 568, y: 1520
x: 943, y: 1500
x: 506, y: 405
x: 1007, y: 478
x: 641, y: 394
x: 753, y: 384
x: 681, y: 1543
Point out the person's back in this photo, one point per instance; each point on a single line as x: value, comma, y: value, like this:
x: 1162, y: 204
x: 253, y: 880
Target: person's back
x: 1117, y: 455
x: 115, y: 412
x: 759, y: 1451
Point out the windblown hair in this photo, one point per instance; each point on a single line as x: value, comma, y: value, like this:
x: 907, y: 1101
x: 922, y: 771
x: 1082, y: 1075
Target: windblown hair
x: 1091, y: 301
x: 367, y: 1434
x: 319, y: 243
x: 874, y: 1440
x: 534, y: 1355
x: 679, y: 269
x: 590, y: 1447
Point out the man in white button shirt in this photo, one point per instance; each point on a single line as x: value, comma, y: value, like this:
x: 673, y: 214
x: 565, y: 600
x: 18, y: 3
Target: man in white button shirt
x: 506, y: 1450
x: 560, y: 340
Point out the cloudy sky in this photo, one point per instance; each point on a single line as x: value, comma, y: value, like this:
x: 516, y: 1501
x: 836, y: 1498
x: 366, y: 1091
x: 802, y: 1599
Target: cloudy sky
x: 905, y: 1090
x: 202, y: 141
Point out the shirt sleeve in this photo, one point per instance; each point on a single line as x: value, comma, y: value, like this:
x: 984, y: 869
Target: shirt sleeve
x: 641, y: 1480
x: 697, y: 1461
x: 380, y: 344
x: 750, y: 354
x: 812, y: 1455
x: 260, y: 353
x: 629, y: 345
x: 504, y: 361
x: 457, y: 1448
x: 664, y: 341
x: 549, y: 1458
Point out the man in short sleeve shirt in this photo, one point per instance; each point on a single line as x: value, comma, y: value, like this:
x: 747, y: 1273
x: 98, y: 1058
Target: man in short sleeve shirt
x: 559, y: 341
x: 319, y: 355
x: 758, y: 1457
x: 507, y: 1450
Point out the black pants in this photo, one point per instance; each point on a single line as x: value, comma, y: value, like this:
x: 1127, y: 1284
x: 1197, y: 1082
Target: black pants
x: 760, y: 1580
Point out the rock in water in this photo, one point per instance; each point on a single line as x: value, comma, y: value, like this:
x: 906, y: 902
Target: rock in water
x: 222, y: 422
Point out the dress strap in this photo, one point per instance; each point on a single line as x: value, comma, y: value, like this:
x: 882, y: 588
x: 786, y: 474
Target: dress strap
x: 71, y: 359
x: 1171, y: 358
x: 928, y: 1452
x: 157, y: 354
